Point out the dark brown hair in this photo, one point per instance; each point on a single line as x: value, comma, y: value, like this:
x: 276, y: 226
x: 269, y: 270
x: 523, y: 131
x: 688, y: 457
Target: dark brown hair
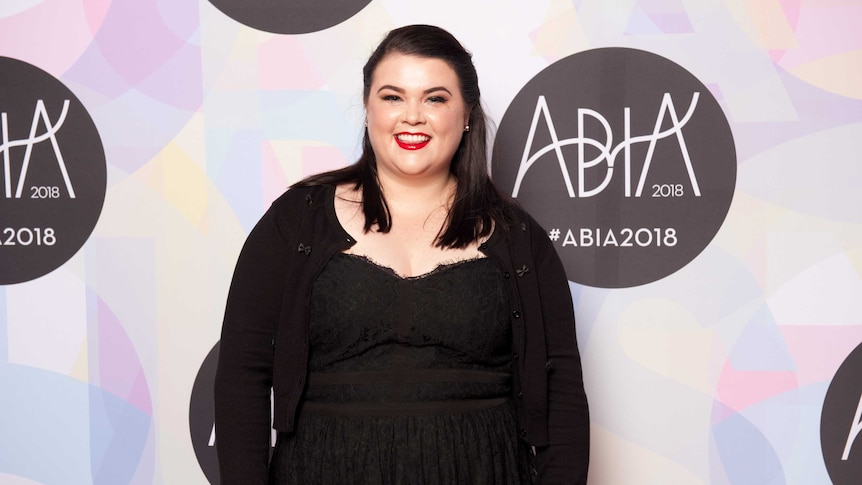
x: 476, y: 207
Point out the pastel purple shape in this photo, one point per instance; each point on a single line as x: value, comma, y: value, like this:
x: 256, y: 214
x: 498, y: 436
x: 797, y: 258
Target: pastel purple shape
x: 135, y: 40
x: 672, y: 22
x: 149, y: 55
x: 659, y: 17
x: 816, y: 109
x: 178, y: 81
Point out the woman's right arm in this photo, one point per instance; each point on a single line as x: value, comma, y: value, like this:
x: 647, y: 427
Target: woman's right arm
x: 244, y: 375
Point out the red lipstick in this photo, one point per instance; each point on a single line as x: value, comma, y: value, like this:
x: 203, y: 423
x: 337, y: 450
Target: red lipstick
x: 412, y: 141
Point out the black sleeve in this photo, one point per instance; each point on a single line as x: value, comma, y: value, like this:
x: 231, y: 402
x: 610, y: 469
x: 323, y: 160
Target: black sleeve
x: 566, y: 458
x: 243, y: 379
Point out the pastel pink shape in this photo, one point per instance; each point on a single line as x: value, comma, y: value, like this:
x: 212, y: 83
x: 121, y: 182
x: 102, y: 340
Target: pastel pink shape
x: 822, y: 28
x: 320, y: 159
x: 119, y: 368
x: 818, y: 351
x: 51, y: 35
x: 738, y: 390
x: 284, y: 64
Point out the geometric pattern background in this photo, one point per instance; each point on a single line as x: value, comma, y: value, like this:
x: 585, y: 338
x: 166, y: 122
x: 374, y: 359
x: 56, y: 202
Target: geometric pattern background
x: 715, y: 374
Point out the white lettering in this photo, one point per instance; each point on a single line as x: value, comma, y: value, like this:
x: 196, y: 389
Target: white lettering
x: 606, y: 151
x: 39, y: 113
x: 570, y: 239
x: 854, y: 431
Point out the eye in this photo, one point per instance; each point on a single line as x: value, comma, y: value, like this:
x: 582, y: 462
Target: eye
x: 391, y: 98
x: 436, y: 99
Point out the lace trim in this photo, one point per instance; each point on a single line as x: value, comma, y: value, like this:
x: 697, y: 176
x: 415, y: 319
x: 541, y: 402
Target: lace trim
x: 441, y: 266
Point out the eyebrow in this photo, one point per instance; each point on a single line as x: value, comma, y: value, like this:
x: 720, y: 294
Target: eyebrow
x: 401, y: 90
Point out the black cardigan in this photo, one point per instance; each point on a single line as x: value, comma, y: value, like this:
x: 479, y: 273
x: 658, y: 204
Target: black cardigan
x: 264, y: 342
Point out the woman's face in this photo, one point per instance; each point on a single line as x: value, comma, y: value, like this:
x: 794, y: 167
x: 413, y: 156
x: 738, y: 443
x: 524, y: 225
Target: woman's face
x: 416, y: 117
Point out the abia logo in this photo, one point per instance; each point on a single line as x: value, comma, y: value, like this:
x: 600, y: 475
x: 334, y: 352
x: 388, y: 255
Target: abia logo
x: 625, y: 158
x: 53, y: 177
x: 841, y: 422
x: 290, y: 16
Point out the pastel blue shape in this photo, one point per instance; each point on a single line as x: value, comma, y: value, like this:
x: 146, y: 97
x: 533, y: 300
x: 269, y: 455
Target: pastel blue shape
x: 4, y: 334
x: 308, y: 115
x: 240, y: 176
x: 45, y: 426
x: 761, y: 346
x: 118, y: 434
x: 59, y: 430
x: 746, y: 455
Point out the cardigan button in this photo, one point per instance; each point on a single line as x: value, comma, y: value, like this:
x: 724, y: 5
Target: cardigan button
x: 308, y: 199
x: 522, y: 432
x: 520, y: 395
x: 549, y: 366
x: 516, y: 314
x: 515, y: 356
x: 506, y: 275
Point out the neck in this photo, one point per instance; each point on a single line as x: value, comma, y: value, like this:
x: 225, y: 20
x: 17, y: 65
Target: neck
x: 406, y: 196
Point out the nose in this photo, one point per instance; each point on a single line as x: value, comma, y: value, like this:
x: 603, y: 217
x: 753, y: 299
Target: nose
x: 413, y: 113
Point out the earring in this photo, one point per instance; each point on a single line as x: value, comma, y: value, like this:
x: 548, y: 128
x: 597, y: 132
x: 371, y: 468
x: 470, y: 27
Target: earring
x: 467, y: 128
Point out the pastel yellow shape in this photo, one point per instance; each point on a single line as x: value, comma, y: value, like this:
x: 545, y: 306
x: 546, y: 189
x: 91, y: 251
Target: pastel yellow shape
x: 561, y: 33
x: 180, y: 181
x: 288, y: 154
x: 642, y: 466
x: 663, y: 336
x: 770, y: 24
x: 81, y: 367
x: 840, y: 73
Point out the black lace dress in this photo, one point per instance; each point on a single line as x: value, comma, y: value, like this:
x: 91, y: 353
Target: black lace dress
x: 409, y: 380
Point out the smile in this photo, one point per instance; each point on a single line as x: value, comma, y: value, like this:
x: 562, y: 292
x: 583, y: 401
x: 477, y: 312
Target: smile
x: 412, y: 141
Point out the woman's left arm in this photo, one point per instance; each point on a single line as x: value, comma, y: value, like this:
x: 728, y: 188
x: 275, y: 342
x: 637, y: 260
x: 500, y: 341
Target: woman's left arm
x: 566, y: 458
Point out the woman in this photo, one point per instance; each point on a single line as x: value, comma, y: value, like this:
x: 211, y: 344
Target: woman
x: 415, y: 325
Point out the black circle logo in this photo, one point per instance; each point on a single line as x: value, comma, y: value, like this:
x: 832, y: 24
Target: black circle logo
x: 202, y: 417
x: 52, y: 173
x: 290, y: 16
x: 625, y: 158
x: 841, y: 422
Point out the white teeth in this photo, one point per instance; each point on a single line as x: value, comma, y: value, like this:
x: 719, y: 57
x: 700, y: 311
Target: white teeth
x: 412, y: 139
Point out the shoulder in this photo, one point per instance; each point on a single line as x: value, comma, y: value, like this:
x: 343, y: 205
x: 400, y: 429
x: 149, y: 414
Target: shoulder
x: 303, y: 196
x: 521, y: 221
x: 296, y: 204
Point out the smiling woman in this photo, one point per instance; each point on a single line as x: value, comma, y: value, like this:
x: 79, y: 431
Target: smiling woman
x: 414, y: 324
x: 415, y: 106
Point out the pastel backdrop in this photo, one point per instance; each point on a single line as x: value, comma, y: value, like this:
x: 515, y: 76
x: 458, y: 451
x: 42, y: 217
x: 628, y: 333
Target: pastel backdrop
x: 715, y: 374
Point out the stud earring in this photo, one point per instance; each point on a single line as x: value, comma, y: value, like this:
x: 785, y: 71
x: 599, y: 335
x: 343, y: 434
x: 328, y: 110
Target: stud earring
x: 467, y: 128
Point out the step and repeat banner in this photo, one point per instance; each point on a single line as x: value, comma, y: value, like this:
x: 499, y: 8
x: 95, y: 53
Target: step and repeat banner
x: 696, y: 164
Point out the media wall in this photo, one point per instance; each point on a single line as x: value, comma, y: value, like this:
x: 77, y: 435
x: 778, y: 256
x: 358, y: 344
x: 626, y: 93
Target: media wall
x: 696, y: 164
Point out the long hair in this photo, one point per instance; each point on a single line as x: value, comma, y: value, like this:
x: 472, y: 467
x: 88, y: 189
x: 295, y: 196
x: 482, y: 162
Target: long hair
x: 477, y: 206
